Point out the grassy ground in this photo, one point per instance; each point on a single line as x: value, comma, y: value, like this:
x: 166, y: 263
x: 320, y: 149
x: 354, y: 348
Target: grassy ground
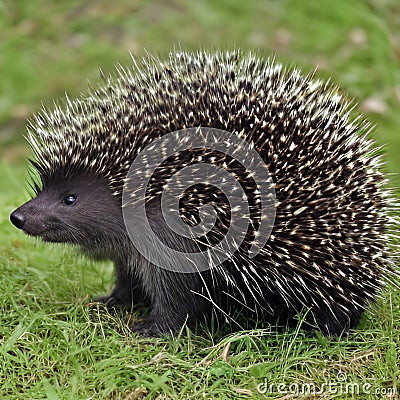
x: 52, y: 345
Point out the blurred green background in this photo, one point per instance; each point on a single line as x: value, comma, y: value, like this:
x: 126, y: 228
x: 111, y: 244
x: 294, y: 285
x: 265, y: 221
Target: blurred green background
x: 48, y: 48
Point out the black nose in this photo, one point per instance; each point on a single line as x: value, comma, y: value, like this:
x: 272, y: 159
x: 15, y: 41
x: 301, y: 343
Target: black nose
x: 17, y: 219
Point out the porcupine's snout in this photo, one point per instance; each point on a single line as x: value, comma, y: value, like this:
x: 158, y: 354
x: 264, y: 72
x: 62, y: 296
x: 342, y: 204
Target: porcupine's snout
x: 32, y: 217
x: 81, y: 211
x: 18, y: 219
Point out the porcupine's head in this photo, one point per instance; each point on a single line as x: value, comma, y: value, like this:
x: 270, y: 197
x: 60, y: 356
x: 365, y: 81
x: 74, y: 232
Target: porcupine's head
x: 331, y: 209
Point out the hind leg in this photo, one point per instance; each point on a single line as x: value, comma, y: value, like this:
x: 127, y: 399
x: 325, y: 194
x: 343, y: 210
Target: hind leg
x: 339, y: 323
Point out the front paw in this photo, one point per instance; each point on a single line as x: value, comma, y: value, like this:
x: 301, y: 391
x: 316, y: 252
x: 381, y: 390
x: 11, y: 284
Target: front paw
x: 148, y: 327
x: 110, y: 301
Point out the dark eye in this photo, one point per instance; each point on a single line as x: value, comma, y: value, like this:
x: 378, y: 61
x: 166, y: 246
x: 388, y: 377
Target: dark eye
x: 70, y: 199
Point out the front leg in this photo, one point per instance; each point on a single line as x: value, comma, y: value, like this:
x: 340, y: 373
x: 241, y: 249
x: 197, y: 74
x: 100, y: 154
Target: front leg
x: 175, y: 297
x: 175, y: 300
x: 127, y: 290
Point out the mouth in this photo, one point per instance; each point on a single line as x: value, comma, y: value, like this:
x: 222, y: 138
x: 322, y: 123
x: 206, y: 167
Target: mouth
x: 37, y: 235
x: 46, y: 235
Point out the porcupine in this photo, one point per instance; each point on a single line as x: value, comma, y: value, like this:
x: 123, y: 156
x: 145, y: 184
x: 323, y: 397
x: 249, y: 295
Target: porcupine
x: 329, y: 249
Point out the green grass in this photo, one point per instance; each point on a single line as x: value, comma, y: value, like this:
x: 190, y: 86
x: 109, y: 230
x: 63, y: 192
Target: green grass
x: 53, y: 345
